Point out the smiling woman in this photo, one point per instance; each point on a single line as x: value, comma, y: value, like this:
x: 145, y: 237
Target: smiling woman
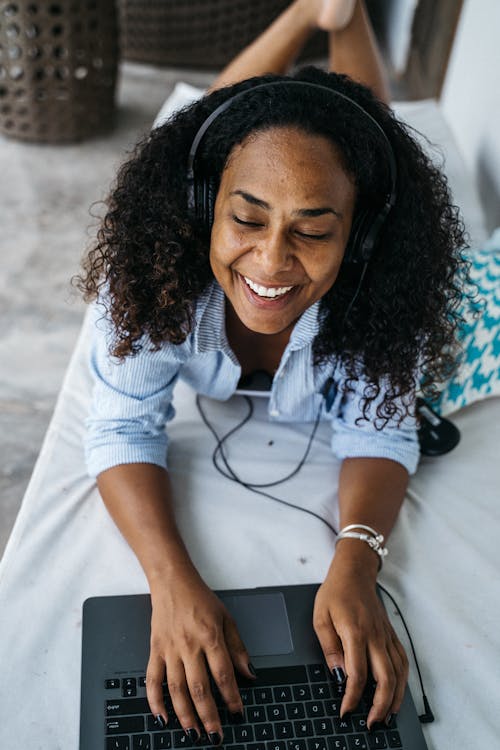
x: 291, y: 225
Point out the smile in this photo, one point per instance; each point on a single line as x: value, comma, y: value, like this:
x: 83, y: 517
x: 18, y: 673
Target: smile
x: 265, y: 291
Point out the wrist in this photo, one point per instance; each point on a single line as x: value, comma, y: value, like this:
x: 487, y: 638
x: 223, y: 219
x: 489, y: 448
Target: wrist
x: 353, y: 556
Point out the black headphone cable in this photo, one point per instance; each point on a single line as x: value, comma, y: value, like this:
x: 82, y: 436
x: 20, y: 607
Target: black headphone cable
x: 426, y: 717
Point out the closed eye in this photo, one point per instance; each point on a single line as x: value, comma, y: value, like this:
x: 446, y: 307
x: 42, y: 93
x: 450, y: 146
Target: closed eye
x: 246, y: 223
x: 315, y: 236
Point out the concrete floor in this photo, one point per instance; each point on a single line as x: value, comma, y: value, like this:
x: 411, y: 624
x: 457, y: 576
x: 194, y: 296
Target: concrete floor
x: 45, y: 198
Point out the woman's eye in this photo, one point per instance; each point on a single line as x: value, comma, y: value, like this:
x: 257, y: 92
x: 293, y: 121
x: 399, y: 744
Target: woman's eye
x: 246, y: 223
x: 314, y: 236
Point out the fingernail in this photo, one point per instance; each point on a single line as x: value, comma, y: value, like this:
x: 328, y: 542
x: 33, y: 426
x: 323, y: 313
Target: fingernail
x: 160, y: 721
x: 237, y: 718
x: 338, y: 675
x: 390, y: 719
x: 192, y: 734
x: 214, y: 738
x: 252, y: 669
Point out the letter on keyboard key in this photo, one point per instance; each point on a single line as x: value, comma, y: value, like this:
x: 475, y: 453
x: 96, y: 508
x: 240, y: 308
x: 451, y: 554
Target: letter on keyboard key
x: 162, y: 741
x: 394, y: 740
x: 141, y: 742
x: 117, y: 743
x: 376, y: 741
x: 337, y: 743
x: 317, y: 744
x: 357, y: 742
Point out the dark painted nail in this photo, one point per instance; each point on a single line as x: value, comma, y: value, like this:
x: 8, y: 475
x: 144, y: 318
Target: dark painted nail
x: 192, y: 734
x: 214, y: 738
x: 160, y: 721
x: 338, y: 675
x: 252, y: 669
x: 237, y: 718
x: 391, y: 720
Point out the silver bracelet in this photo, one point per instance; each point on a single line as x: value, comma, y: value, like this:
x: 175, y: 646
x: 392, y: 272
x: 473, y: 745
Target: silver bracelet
x: 372, y: 538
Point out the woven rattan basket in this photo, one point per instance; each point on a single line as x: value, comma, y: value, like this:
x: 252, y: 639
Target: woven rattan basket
x: 198, y: 33
x: 58, y: 62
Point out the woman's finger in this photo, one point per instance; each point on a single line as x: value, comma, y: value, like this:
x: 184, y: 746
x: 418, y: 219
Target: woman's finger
x: 155, y: 675
x: 202, y: 697
x: 222, y: 669
x: 356, y: 668
x: 236, y: 648
x: 401, y: 667
x: 331, y: 646
x: 181, y: 699
x: 385, y: 675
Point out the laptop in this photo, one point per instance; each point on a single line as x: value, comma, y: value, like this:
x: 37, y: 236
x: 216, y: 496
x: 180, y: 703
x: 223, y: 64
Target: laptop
x: 292, y: 705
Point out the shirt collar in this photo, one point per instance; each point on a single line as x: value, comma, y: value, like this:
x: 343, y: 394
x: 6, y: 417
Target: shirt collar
x: 210, y: 330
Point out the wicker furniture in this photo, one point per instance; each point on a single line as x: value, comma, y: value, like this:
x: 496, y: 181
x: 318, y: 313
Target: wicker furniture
x: 58, y: 62
x: 203, y: 34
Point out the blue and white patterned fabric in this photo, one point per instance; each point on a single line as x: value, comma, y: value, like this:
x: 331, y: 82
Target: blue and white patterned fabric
x: 478, y: 375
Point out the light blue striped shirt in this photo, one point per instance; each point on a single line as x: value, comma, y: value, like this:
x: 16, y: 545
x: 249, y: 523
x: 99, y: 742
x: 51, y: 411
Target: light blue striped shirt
x: 132, y: 399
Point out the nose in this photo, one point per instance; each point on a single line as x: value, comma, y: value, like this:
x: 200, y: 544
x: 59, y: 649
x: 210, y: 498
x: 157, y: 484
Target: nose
x: 274, y: 253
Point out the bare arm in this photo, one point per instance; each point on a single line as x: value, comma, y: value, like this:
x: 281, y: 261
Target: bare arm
x: 349, y: 619
x: 190, y: 627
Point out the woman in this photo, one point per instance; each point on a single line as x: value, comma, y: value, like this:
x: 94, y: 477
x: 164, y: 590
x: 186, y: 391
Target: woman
x: 271, y: 282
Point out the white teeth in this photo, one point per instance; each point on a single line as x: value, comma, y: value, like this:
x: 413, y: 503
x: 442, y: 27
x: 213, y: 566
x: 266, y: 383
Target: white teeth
x: 264, y: 291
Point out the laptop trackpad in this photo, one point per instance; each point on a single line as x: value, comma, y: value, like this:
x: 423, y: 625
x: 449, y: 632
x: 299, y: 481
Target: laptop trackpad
x: 262, y: 622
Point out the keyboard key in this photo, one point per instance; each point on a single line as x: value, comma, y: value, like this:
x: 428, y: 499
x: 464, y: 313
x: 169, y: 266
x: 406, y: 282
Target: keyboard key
x: 296, y: 745
x: 343, y: 725
x: 243, y: 734
x: 256, y: 746
x: 111, y: 684
x: 264, y: 732
x: 246, y: 696
x: 162, y: 741
x: 301, y: 692
x: 125, y: 725
x: 314, y: 709
x: 117, y: 743
x: 295, y: 711
x: 180, y: 739
x: 142, y: 681
x: 281, y: 675
x: 282, y: 694
x: 316, y: 672
x: 276, y: 713
x: 332, y: 708
x: 127, y: 707
x: 234, y: 747
x: 255, y: 714
x: 129, y: 687
x: 303, y: 728
x: 376, y: 741
x: 337, y: 743
x: 323, y: 726
x: 263, y: 695
x: 393, y: 738
x: 276, y: 745
x: 320, y: 690
x: 359, y: 723
x: 283, y: 730
x: 357, y: 742
x: 228, y: 735
x: 141, y: 742
x: 317, y: 743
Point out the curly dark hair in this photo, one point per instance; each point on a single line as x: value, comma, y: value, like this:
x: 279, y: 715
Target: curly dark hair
x: 151, y: 254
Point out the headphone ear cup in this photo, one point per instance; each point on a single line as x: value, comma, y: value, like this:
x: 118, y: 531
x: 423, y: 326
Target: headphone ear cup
x: 210, y: 205
x: 358, y: 231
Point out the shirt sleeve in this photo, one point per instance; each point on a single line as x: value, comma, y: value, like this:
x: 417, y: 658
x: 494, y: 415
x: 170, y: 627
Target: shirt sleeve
x: 355, y: 437
x: 131, y: 403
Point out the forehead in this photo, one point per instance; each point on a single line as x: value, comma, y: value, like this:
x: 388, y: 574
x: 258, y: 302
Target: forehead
x: 295, y: 157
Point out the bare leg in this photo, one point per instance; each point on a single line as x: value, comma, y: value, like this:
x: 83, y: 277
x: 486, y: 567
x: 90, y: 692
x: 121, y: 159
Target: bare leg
x: 276, y: 48
x: 352, y: 44
x: 354, y: 51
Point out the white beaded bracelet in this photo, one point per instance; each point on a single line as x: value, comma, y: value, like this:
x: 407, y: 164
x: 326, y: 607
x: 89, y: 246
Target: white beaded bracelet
x: 372, y: 538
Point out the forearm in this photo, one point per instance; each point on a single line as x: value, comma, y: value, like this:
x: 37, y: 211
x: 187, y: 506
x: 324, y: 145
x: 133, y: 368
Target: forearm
x: 371, y: 492
x: 139, y: 499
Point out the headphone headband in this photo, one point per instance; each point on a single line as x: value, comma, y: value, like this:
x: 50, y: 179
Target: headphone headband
x: 370, y: 223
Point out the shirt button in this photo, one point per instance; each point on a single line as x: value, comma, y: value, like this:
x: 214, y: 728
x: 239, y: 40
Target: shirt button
x: 274, y: 413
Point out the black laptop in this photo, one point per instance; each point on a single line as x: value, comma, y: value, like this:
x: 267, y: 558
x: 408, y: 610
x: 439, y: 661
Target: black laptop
x: 292, y: 705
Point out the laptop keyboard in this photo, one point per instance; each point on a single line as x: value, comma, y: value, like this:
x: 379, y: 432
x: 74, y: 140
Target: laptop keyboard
x: 286, y: 708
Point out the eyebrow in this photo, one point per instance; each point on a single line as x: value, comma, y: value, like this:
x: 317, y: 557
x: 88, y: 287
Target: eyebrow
x: 254, y: 201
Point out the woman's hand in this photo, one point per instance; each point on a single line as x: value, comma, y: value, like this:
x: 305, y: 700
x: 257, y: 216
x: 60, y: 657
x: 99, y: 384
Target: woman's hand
x: 355, y: 633
x: 190, y: 630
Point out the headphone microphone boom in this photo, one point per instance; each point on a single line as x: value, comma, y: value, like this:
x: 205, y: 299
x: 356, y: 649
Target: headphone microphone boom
x: 367, y: 224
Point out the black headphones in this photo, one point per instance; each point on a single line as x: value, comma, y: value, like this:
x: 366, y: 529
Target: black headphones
x: 367, y: 224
